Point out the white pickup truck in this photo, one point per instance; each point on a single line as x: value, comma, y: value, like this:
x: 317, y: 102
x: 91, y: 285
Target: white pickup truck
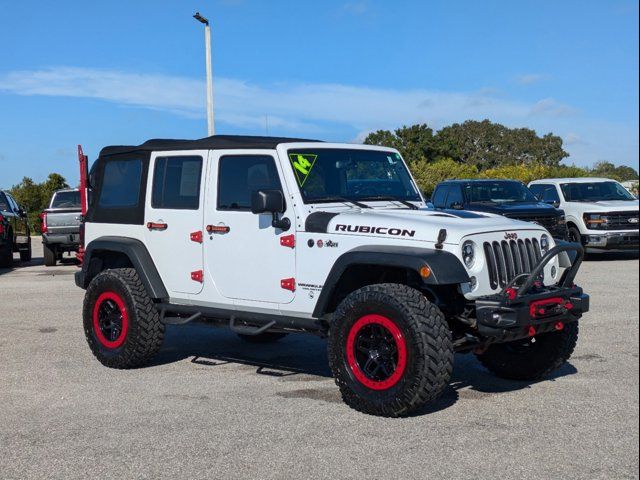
x: 601, y: 214
x: 61, y: 225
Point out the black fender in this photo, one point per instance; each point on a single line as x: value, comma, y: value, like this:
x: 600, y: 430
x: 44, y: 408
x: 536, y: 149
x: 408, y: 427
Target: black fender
x: 446, y: 268
x: 137, y: 254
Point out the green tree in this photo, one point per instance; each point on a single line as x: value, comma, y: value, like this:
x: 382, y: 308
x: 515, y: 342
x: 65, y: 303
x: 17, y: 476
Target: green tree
x: 415, y: 143
x: 489, y: 145
x: 34, y: 197
x: 609, y: 170
x: 428, y: 175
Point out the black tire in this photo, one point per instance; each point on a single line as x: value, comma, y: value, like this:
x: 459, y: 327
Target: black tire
x: 267, y: 337
x: 529, y: 360
x: 6, y: 254
x: 26, y: 255
x: 50, y: 255
x: 120, y: 293
x: 574, y: 235
x: 425, y: 343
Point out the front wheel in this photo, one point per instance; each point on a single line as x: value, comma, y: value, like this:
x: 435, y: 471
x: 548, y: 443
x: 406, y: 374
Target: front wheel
x: 531, y: 358
x: 390, y: 350
x: 574, y: 235
x: 121, y: 323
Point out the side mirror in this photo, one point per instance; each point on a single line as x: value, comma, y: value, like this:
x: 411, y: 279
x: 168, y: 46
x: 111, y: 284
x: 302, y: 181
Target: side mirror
x: 22, y: 212
x: 553, y: 203
x: 267, y: 201
x: 270, y: 201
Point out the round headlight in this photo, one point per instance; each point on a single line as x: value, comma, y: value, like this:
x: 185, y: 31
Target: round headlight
x: 468, y: 253
x: 544, y: 243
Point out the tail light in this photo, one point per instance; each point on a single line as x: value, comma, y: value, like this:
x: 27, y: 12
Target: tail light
x: 43, y: 227
x: 1, y: 224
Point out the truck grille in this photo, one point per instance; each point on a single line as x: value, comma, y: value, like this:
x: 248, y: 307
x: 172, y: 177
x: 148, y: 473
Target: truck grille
x: 620, y: 221
x: 550, y: 222
x: 507, y: 259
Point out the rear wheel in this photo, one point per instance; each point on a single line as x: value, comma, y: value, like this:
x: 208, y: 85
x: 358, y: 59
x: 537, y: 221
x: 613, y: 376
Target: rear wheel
x: 390, y: 350
x: 50, y: 255
x: 267, y: 337
x: 121, y: 323
x: 25, y: 254
x: 531, y: 358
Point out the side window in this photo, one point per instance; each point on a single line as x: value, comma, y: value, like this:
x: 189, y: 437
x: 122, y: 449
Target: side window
x: 121, y: 183
x: 439, y: 196
x: 241, y: 175
x: 176, y: 183
x: 4, y: 203
x: 550, y: 194
x: 455, y: 197
x: 12, y: 204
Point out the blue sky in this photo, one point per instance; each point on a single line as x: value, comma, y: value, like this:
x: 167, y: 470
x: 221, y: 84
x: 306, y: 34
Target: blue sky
x: 118, y: 72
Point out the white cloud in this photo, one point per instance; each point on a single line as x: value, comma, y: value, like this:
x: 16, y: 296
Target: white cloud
x: 322, y: 109
x: 550, y: 107
x: 530, y: 78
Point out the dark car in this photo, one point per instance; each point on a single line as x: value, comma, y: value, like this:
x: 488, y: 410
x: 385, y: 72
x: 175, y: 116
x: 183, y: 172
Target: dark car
x: 15, y: 235
x: 509, y: 198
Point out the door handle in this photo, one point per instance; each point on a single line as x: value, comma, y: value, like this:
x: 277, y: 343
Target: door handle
x: 157, y: 226
x: 218, y: 229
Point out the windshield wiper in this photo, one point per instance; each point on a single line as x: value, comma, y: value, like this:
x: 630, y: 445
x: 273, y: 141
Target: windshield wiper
x: 341, y: 199
x: 389, y: 198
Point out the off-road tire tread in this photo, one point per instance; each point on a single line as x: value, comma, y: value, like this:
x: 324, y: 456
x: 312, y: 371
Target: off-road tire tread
x: 556, y: 350
x: 146, y: 332
x: 434, y: 359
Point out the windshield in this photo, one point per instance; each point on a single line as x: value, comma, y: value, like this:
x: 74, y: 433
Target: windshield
x: 595, y: 192
x: 328, y: 174
x: 66, y: 200
x: 498, y: 192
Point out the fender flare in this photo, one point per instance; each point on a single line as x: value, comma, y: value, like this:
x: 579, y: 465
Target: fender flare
x: 138, y: 255
x: 446, y: 268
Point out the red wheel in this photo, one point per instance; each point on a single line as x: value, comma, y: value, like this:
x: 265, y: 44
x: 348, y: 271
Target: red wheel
x: 376, y: 352
x: 110, y: 320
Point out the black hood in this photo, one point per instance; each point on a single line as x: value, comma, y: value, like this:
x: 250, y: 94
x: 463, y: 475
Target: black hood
x: 516, y: 209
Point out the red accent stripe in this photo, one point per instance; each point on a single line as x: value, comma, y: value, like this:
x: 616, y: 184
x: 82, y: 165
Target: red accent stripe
x: 401, y: 345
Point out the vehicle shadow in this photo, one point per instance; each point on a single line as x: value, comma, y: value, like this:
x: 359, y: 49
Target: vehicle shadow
x: 305, y: 356
x: 35, y: 262
x: 611, y: 256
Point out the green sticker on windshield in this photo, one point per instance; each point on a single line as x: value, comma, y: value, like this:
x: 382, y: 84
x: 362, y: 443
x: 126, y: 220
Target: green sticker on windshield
x: 302, y: 165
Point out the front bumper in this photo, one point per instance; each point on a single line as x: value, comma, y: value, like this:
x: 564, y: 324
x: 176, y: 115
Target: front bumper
x: 545, y: 310
x: 525, y: 310
x: 611, y: 240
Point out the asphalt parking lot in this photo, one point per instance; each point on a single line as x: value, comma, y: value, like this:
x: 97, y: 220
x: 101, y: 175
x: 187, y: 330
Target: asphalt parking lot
x: 212, y: 406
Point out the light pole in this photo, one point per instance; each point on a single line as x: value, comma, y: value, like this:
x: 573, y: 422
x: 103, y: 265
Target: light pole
x: 211, y: 129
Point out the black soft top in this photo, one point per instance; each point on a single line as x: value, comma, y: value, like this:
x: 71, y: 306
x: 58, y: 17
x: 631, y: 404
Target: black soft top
x: 215, y: 142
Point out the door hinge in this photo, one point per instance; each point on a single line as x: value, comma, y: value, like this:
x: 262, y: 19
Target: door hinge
x: 288, y: 241
x: 197, y: 276
x: 196, y: 236
x: 288, y: 284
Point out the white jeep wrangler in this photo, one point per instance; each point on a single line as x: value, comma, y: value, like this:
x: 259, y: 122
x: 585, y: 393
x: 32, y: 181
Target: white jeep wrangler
x: 276, y: 235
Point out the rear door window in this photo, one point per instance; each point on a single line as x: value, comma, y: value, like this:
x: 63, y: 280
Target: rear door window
x: 176, y: 183
x: 121, y: 184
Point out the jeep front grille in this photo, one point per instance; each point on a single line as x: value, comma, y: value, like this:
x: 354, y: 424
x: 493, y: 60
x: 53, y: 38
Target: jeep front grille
x: 507, y: 259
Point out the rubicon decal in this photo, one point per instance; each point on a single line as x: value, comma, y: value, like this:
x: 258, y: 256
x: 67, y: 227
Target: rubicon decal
x: 396, y: 232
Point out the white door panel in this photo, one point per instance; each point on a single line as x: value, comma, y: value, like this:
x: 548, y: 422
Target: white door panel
x: 247, y: 262
x: 175, y: 254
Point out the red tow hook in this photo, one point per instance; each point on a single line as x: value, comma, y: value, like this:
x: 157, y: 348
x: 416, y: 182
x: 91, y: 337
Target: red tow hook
x: 547, y: 306
x: 532, y: 331
x: 511, y: 293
